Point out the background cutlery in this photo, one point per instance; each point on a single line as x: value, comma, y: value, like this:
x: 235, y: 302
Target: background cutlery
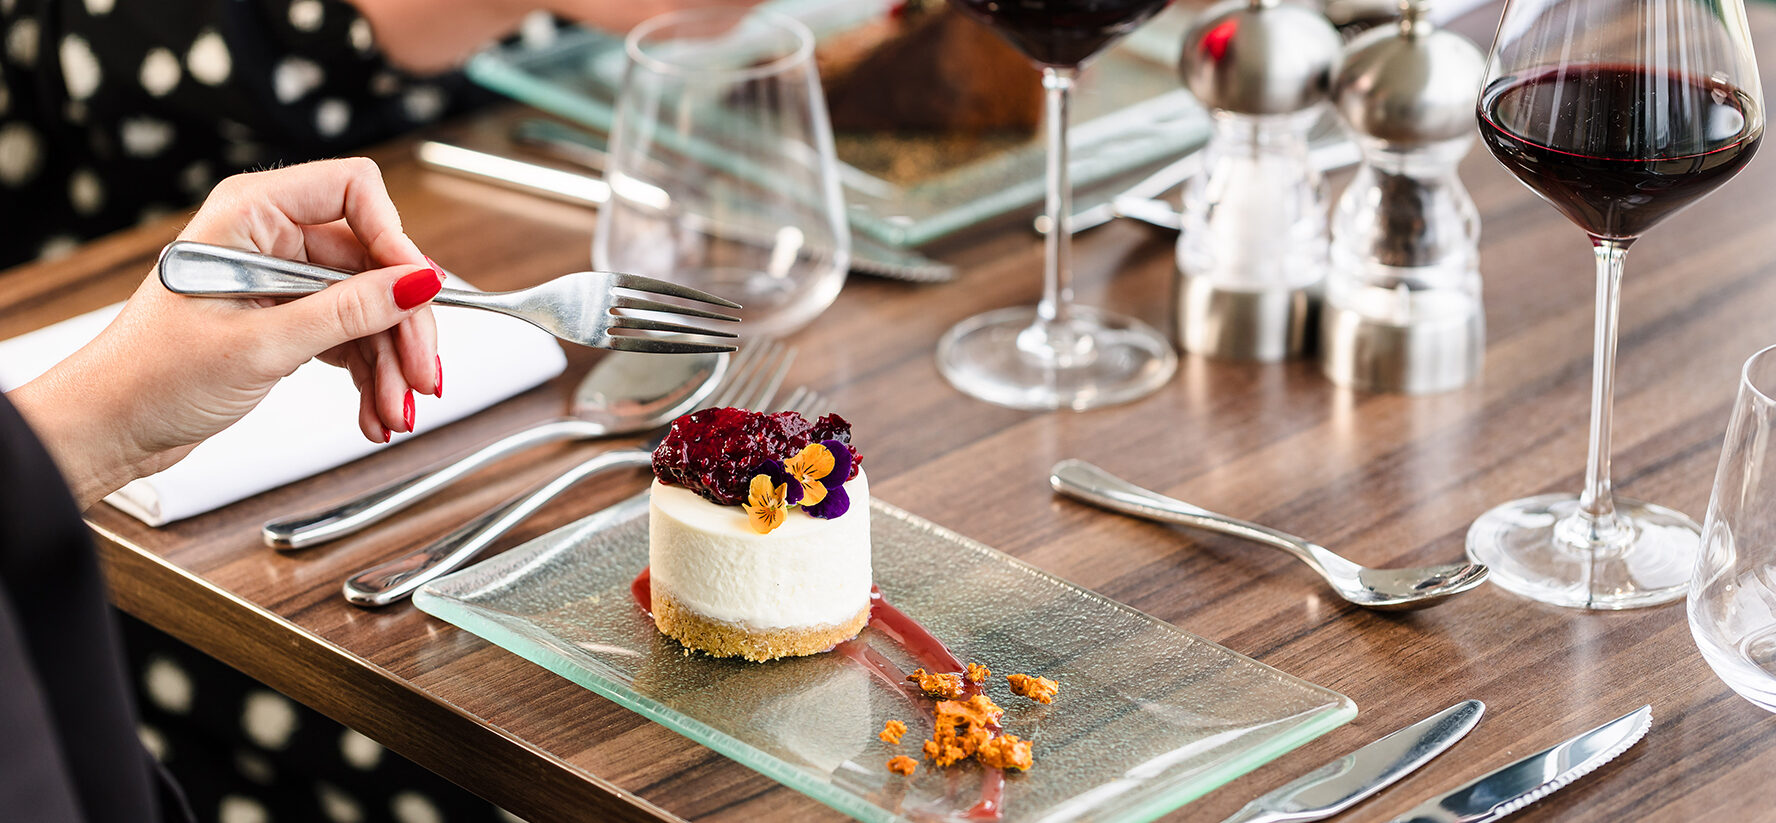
x: 579, y: 307
x: 1519, y: 784
x: 397, y: 579
x: 1382, y: 589
x: 867, y: 256
x: 1344, y: 782
x: 624, y: 393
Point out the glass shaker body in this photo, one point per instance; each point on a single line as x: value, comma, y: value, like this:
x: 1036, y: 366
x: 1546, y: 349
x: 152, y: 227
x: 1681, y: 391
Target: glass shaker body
x: 1405, y: 246
x: 1255, y: 218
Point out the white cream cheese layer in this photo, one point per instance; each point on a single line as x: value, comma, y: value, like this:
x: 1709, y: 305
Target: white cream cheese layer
x: 807, y: 572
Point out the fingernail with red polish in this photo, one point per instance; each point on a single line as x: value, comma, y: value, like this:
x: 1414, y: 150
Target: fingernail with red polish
x: 407, y: 410
x: 439, y: 385
x: 386, y: 434
x: 436, y: 269
x: 416, y: 288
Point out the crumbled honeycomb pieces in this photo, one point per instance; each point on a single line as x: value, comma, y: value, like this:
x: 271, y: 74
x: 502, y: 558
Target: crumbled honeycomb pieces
x: 903, y: 765
x: 1006, y: 751
x: 961, y: 728
x: 947, y: 685
x: 891, y: 731
x: 1039, y: 689
x: 977, y: 673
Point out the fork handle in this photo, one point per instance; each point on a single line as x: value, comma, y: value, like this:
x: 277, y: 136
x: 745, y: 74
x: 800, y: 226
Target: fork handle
x: 1084, y: 481
x: 397, y: 579
x: 203, y: 270
x: 354, y: 515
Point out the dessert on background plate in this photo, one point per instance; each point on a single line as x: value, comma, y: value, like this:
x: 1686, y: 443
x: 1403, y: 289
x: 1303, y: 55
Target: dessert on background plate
x: 759, y: 534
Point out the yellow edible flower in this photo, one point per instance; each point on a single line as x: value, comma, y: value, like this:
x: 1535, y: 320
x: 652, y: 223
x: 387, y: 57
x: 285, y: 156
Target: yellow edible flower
x: 766, y: 504
x: 809, y: 465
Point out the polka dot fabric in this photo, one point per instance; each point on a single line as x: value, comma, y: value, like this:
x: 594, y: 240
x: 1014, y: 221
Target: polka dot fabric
x: 246, y: 754
x: 112, y: 112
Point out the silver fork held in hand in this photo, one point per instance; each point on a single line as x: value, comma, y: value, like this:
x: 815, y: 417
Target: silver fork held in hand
x: 580, y: 308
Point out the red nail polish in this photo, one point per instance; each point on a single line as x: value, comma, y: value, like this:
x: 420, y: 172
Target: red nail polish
x: 407, y: 410
x: 439, y: 386
x: 386, y: 434
x: 436, y: 269
x: 416, y: 288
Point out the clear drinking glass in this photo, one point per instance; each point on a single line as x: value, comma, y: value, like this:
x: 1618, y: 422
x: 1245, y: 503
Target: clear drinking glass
x: 1733, y: 591
x: 1618, y: 113
x: 721, y: 167
x: 1056, y: 354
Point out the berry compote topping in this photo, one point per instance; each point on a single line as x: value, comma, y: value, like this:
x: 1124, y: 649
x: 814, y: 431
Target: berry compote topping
x: 716, y: 452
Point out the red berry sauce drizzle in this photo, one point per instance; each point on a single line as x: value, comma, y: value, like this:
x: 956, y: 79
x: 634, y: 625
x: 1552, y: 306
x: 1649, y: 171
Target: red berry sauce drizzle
x: 918, y: 642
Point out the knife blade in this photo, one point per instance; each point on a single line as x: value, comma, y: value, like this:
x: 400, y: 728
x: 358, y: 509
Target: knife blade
x: 1519, y: 784
x: 867, y: 256
x: 1344, y: 782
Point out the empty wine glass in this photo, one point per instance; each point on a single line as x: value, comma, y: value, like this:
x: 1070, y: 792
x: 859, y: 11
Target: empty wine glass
x: 1733, y: 591
x: 1056, y: 354
x: 721, y: 168
x: 1619, y: 113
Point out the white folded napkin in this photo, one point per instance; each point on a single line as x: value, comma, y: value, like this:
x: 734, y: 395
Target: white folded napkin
x: 308, y: 423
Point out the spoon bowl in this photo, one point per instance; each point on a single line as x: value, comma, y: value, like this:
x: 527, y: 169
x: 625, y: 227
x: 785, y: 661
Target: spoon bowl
x: 1380, y: 589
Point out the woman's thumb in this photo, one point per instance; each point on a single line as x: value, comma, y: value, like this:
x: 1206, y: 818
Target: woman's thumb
x: 358, y: 306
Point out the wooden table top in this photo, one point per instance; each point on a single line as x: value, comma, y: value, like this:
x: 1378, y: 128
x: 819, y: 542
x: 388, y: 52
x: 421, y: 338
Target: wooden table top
x: 1389, y: 480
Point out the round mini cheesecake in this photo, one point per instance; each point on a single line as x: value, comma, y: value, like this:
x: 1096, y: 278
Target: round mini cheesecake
x: 759, y: 534
x: 722, y: 588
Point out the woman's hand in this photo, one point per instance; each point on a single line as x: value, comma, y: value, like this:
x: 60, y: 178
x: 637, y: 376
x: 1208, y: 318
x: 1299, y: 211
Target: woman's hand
x: 173, y: 370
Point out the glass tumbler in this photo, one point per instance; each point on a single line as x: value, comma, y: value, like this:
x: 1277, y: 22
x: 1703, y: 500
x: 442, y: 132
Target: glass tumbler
x: 1732, y: 594
x: 721, y: 168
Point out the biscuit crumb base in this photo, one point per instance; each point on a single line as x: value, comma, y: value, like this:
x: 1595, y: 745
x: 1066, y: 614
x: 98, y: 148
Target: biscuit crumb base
x: 719, y: 638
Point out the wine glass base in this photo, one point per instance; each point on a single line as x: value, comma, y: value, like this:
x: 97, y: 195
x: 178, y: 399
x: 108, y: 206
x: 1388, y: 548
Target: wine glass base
x: 1094, y: 358
x: 1538, y: 547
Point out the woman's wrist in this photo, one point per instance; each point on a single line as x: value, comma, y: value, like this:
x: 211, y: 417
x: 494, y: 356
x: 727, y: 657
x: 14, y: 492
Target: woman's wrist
x: 77, y: 426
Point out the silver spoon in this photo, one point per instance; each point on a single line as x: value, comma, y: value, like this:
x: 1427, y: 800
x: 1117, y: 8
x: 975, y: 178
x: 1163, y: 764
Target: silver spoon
x: 1381, y: 589
x: 625, y: 393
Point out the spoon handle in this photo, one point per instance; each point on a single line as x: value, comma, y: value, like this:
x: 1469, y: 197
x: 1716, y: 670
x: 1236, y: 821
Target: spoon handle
x: 1084, y: 481
x: 354, y: 515
x: 397, y: 579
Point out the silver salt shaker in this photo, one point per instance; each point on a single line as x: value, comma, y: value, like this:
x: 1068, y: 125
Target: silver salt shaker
x: 1403, y: 310
x: 1252, y: 252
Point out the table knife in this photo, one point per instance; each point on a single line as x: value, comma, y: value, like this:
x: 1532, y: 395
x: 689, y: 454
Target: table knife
x: 867, y: 256
x: 1534, y: 777
x: 1344, y: 782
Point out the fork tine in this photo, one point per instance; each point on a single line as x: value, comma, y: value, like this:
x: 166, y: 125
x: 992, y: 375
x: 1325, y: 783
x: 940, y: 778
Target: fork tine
x: 635, y: 282
x: 623, y: 301
x: 732, y: 389
x: 741, y: 366
x: 796, y: 398
x: 625, y: 322
x: 773, y: 382
x: 652, y: 345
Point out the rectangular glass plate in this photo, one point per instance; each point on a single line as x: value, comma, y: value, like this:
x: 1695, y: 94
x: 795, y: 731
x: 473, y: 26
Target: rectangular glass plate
x: 1149, y: 716
x: 1129, y: 113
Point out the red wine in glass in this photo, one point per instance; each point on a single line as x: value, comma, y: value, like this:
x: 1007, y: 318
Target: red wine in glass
x: 1617, y: 148
x: 1061, y: 32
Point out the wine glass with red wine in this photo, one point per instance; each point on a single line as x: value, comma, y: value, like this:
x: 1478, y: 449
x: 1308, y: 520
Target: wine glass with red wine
x: 1055, y: 354
x: 1619, y: 113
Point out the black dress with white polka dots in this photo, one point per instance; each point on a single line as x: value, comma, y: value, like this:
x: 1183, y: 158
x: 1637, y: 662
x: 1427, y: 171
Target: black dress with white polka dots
x: 112, y: 111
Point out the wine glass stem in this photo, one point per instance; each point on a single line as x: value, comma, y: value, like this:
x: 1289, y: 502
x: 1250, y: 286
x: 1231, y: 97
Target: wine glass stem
x: 1057, y: 262
x: 1597, y: 505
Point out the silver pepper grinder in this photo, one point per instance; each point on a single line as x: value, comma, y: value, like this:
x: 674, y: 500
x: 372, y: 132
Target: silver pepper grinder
x: 1403, y: 310
x: 1253, y: 251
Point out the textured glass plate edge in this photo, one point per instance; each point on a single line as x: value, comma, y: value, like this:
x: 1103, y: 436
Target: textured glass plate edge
x: 434, y: 600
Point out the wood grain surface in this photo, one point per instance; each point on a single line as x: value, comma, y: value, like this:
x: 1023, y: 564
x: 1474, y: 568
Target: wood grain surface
x: 1386, y: 479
